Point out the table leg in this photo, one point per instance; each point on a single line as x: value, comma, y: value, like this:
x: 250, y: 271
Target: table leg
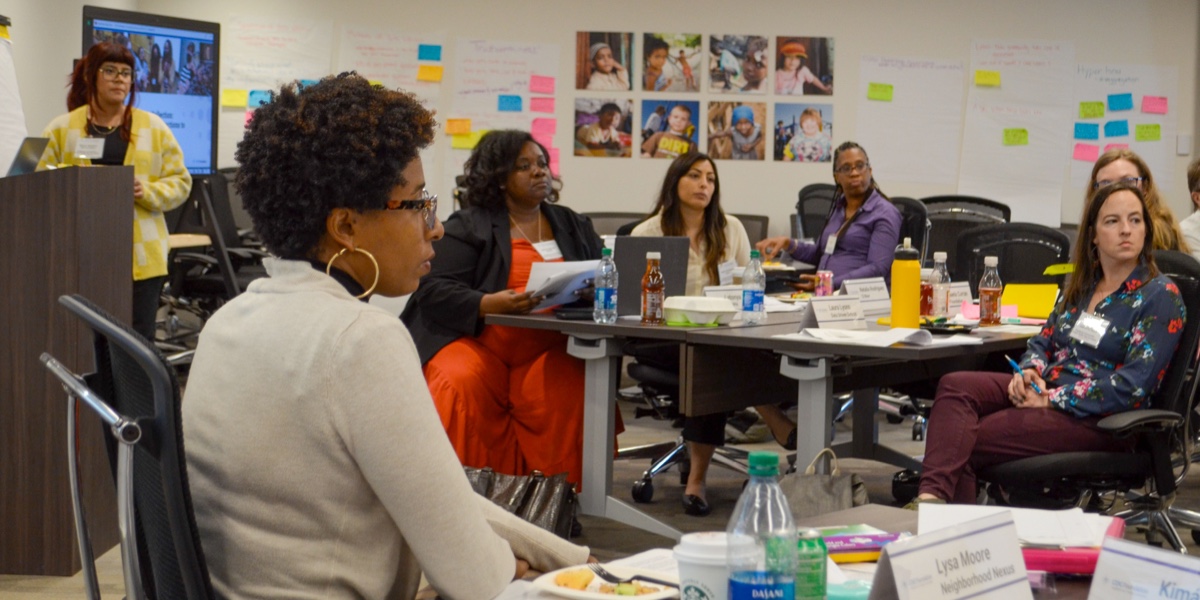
x: 814, y: 410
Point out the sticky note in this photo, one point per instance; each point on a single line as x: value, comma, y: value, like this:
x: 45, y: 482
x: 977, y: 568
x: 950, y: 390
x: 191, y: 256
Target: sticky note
x: 4, y: 32
x: 1091, y: 110
x: 879, y: 91
x: 249, y: 117
x: 508, y: 103
x: 458, y: 126
x: 541, y: 104
x: 1115, y: 146
x: 987, y: 78
x: 1116, y: 128
x: 544, y: 125
x: 1086, y: 152
x: 466, y: 141
x: 1016, y: 137
x: 1120, y: 102
x: 1087, y: 131
x: 258, y: 98
x: 554, y: 161
x: 235, y: 98
x: 429, y: 73
x: 429, y: 52
x: 374, y: 82
x: 1155, y: 105
x: 1147, y: 132
x: 545, y: 139
x: 540, y: 84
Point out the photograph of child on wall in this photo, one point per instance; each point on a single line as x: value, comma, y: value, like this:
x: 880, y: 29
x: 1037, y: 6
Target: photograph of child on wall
x: 601, y: 60
x: 603, y: 127
x: 679, y: 134
x: 804, y: 132
x: 738, y: 64
x: 670, y: 62
x: 735, y: 130
x: 805, y: 66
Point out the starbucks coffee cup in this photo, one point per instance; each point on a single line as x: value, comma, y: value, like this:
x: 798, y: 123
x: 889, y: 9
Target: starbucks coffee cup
x: 703, y: 570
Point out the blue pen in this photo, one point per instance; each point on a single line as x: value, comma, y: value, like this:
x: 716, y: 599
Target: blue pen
x: 1017, y: 370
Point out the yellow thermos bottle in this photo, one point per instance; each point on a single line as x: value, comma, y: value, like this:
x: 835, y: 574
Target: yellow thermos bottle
x: 906, y: 286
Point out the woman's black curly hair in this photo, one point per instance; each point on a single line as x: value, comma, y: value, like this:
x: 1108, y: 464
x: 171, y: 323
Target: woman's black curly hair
x: 338, y: 143
x: 493, y: 158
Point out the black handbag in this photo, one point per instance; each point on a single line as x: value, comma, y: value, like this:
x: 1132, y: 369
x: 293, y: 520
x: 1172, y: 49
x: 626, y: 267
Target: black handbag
x: 548, y: 502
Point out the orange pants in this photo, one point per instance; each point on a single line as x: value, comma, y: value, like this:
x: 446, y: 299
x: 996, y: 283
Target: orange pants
x: 512, y: 400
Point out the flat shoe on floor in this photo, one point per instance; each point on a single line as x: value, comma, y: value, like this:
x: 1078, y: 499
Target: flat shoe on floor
x: 695, y: 506
x: 790, y: 444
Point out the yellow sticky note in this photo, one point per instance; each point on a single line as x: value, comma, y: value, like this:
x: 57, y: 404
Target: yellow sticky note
x: 235, y: 98
x: 1091, y: 110
x: 374, y: 82
x: 1016, y: 137
x: 4, y: 32
x: 987, y: 78
x: 1148, y: 132
x: 466, y: 141
x: 1033, y: 300
x: 458, y: 126
x: 429, y: 73
x: 879, y: 91
x: 1059, y: 269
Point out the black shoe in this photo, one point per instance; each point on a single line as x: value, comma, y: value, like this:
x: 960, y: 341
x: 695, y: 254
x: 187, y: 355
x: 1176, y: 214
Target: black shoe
x: 790, y: 443
x: 695, y: 506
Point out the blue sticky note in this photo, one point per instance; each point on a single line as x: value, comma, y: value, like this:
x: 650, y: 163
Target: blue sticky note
x: 1116, y: 128
x: 434, y: 52
x: 307, y: 82
x: 258, y: 98
x: 1120, y: 102
x: 509, y: 103
x: 1087, y: 131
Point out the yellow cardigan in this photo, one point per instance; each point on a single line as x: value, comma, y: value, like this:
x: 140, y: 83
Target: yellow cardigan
x: 157, y: 162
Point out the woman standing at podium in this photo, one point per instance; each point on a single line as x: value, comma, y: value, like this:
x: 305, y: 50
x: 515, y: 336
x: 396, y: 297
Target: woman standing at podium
x: 103, y: 128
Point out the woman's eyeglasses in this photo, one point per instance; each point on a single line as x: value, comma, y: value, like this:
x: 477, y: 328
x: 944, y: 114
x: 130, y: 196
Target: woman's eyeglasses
x: 847, y: 169
x: 1103, y: 183
x: 112, y: 74
x: 427, y: 204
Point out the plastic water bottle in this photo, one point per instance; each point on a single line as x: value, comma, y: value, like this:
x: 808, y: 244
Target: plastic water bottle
x: 604, y: 308
x: 754, y: 283
x: 990, y: 289
x: 762, y: 537
x: 941, y: 286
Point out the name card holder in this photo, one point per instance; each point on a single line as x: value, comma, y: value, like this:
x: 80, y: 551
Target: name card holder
x: 834, y: 312
x: 872, y: 292
x: 977, y: 559
x: 960, y: 291
x: 1131, y: 570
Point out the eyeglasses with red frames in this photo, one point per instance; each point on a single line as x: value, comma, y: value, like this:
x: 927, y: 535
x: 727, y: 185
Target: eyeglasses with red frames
x: 427, y: 204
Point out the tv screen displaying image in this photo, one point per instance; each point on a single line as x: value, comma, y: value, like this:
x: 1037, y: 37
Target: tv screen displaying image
x: 175, y: 73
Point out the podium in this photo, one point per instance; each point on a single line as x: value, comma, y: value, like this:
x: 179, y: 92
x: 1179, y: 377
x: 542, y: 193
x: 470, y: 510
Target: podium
x: 61, y: 231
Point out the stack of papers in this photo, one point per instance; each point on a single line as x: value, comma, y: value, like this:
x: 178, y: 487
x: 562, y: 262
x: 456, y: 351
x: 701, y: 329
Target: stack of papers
x: 898, y: 335
x: 558, y: 281
x: 1035, y: 528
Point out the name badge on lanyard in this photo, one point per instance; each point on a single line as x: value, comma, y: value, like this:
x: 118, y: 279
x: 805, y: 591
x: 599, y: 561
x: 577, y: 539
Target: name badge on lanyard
x: 1089, y: 329
x: 548, y: 249
x: 90, y: 148
x: 830, y: 244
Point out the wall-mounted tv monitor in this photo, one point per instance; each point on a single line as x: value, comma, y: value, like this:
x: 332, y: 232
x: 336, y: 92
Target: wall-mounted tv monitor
x: 175, y: 73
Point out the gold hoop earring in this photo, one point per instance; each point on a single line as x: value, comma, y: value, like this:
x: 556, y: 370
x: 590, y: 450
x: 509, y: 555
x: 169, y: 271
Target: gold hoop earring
x: 329, y: 266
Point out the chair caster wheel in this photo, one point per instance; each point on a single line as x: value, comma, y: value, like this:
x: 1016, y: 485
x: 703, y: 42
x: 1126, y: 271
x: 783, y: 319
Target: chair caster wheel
x: 894, y: 419
x: 918, y: 434
x: 643, y: 491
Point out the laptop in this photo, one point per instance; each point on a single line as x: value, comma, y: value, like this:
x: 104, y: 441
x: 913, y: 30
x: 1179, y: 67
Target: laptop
x: 28, y: 155
x: 629, y: 253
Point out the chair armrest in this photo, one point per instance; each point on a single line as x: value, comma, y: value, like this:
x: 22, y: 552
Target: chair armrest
x: 194, y: 257
x: 1148, y: 418
x: 248, y: 253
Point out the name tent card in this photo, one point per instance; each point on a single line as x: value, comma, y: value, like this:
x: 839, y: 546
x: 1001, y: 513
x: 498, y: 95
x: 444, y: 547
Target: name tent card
x: 872, y: 292
x: 834, y: 312
x: 1131, y: 570
x: 977, y: 559
x: 960, y: 291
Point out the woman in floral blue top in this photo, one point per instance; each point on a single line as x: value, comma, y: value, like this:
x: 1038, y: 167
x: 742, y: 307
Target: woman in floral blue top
x: 1104, y: 350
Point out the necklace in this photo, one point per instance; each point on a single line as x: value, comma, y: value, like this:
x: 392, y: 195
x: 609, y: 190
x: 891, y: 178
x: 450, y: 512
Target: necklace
x: 522, y: 231
x: 102, y: 131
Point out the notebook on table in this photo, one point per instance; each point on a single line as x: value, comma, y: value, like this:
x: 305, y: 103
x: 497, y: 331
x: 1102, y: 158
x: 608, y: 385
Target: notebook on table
x: 28, y: 156
x: 629, y: 254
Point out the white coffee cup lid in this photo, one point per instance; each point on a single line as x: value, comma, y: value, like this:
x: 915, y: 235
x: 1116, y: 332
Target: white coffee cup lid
x: 705, y: 547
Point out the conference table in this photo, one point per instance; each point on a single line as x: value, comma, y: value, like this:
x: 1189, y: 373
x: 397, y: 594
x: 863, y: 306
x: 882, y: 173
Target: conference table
x: 733, y: 367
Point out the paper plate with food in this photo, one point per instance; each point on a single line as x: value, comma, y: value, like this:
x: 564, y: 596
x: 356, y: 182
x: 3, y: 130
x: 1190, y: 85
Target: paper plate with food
x: 580, y: 582
x: 774, y: 265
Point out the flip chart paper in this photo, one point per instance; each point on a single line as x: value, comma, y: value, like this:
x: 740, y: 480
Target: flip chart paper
x: 879, y: 91
x: 1120, y: 102
x: 1091, y: 110
x: 1155, y: 105
x: 235, y: 98
x: 541, y: 104
x: 1088, y: 152
x: 429, y: 73
x: 509, y: 103
x: 987, y: 78
x: 1016, y: 137
x: 1116, y: 128
x: 429, y: 52
x: 540, y: 84
x: 1087, y: 131
x: 1148, y: 132
x: 458, y: 126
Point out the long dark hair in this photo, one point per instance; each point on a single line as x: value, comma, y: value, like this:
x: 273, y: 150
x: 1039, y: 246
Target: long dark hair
x: 714, y: 218
x: 87, y: 70
x: 1086, y: 260
x: 838, y: 186
x: 493, y: 158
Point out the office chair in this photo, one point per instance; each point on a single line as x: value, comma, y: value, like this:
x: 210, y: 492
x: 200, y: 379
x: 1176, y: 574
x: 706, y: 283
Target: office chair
x: 914, y: 223
x: 607, y: 223
x: 1024, y: 251
x: 949, y: 216
x: 1161, y: 431
x: 756, y: 227
x: 134, y: 391
x: 814, y: 203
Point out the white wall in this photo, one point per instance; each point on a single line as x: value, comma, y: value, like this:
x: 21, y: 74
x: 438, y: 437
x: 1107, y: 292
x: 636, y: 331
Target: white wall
x: 1154, y: 32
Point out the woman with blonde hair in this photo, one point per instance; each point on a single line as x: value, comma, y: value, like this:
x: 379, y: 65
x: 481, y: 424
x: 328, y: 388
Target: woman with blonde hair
x: 1122, y: 165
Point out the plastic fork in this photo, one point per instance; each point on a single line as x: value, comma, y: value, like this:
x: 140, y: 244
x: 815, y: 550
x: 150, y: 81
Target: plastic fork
x: 604, y: 574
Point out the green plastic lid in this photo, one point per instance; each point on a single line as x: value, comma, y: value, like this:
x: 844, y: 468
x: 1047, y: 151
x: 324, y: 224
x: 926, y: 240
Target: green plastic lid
x: 606, y: 252
x: 764, y: 464
x: 754, y: 254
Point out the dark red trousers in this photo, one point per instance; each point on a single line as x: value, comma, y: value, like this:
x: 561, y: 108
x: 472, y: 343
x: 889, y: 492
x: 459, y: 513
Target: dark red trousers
x: 973, y: 425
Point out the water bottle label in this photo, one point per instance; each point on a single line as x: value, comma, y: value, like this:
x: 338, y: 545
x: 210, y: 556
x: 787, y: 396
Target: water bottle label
x: 752, y: 300
x: 760, y: 585
x: 606, y: 298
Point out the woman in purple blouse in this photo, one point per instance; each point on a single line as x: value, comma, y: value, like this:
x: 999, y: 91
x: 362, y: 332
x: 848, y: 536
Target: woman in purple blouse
x: 863, y: 230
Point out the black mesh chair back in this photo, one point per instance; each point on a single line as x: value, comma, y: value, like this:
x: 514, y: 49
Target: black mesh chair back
x: 949, y: 216
x: 241, y: 218
x: 1024, y: 251
x: 756, y: 227
x: 608, y: 223
x: 144, y: 388
x: 186, y: 218
x: 813, y: 206
x: 914, y: 223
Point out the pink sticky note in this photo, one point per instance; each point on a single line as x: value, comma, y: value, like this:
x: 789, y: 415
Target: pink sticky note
x: 540, y: 84
x: 1156, y: 105
x: 1115, y: 146
x: 249, y: 117
x: 545, y: 139
x: 554, y: 161
x: 1086, y: 152
x: 1008, y: 310
x: 544, y: 125
x: 969, y: 310
x: 541, y: 104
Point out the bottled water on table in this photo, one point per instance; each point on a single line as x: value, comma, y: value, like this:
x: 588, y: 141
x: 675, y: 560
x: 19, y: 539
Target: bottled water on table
x: 754, y: 283
x: 762, y: 537
x: 605, y: 305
